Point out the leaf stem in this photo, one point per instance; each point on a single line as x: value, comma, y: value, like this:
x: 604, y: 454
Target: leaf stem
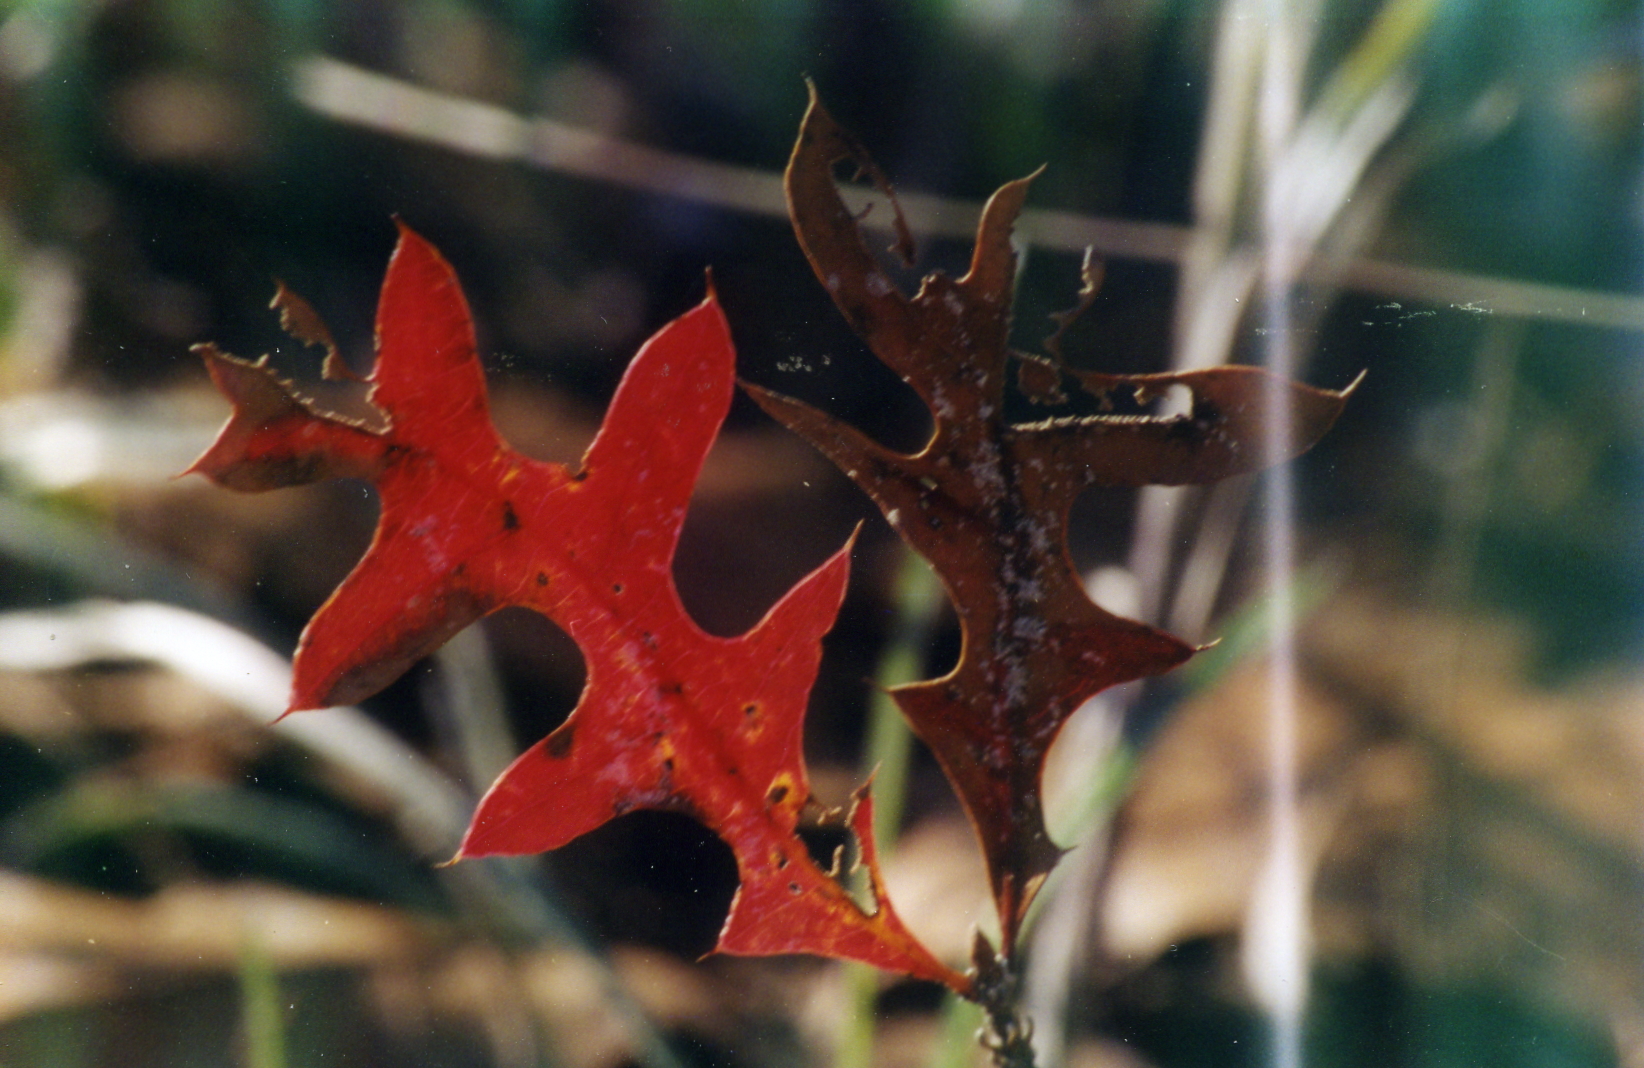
x: 260, y: 1006
x: 1006, y: 1034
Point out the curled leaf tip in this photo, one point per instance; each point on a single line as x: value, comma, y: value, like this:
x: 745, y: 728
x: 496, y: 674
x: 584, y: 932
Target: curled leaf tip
x: 1091, y: 274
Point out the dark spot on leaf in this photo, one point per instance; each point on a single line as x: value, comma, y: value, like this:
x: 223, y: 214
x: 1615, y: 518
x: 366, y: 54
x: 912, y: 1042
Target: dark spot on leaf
x: 559, y: 742
x: 616, y: 587
x: 776, y: 795
x: 542, y: 578
x: 510, y: 521
x: 793, y: 888
x: 751, y: 709
x: 672, y: 689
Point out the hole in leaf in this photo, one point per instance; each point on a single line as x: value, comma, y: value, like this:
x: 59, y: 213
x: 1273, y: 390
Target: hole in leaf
x: 1176, y: 400
x: 823, y: 843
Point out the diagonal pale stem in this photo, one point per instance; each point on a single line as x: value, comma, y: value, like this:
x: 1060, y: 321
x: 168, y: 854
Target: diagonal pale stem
x: 917, y: 598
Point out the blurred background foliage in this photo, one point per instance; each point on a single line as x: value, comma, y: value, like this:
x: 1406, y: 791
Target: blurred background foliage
x: 182, y: 886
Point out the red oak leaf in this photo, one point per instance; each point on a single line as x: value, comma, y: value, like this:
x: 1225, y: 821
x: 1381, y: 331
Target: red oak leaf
x: 986, y: 500
x: 670, y: 717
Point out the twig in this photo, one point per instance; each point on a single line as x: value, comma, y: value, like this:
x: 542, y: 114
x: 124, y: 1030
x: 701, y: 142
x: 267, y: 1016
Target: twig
x: 1006, y: 1034
x: 390, y: 105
